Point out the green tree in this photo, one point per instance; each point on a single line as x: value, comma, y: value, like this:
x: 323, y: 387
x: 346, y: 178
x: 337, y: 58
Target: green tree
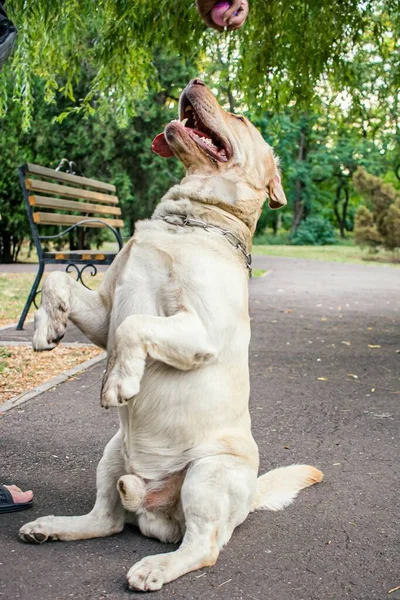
x: 99, y: 147
x: 281, y: 53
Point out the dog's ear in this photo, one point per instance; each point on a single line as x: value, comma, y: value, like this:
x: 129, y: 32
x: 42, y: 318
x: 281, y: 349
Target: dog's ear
x: 276, y: 195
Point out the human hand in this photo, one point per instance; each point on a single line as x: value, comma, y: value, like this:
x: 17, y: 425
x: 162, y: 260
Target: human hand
x: 235, y: 21
x: 204, y: 8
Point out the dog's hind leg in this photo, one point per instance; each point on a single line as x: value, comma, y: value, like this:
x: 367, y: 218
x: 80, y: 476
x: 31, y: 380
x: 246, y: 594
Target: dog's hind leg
x: 63, y: 298
x: 180, y: 341
x: 107, y: 516
x: 216, y: 497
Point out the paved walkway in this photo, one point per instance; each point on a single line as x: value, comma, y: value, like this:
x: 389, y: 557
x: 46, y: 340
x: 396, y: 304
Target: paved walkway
x: 320, y: 394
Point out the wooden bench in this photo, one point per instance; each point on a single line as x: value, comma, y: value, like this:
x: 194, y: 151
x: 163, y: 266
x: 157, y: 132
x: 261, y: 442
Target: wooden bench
x: 68, y: 201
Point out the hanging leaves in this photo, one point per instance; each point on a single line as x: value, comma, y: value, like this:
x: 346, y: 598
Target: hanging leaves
x: 284, y: 50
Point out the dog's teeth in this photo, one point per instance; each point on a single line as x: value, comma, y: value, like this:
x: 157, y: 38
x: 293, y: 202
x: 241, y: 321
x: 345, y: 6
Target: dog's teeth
x: 184, y: 121
x: 189, y: 107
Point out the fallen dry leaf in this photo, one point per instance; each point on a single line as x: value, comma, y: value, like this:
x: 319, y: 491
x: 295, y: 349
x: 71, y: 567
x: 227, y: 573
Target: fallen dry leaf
x: 394, y: 589
x: 346, y: 343
x: 352, y: 375
x: 23, y: 369
x: 374, y: 346
x: 322, y: 378
x: 227, y: 581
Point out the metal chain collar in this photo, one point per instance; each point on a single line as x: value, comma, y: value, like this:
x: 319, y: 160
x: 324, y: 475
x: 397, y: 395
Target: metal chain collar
x: 228, y: 235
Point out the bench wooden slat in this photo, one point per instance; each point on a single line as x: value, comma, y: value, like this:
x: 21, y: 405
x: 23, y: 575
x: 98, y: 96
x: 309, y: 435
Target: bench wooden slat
x: 88, y: 255
x: 81, y: 253
x: 62, y: 204
x: 36, y: 185
x: 72, y: 193
x: 43, y: 218
x: 31, y: 169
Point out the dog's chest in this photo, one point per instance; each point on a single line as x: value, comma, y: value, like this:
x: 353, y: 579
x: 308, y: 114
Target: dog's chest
x: 147, y: 286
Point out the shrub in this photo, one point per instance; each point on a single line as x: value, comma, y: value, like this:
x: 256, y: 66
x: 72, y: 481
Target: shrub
x: 314, y: 231
x: 270, y: 239
x: 365, y: 232
x: 379, y: 224
x: 392, y: 225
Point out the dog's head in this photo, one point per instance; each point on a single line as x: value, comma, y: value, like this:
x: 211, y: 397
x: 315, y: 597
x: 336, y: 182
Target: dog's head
x: 237, y: 167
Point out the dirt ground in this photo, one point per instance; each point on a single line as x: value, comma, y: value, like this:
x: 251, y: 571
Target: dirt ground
x: 22, y: 369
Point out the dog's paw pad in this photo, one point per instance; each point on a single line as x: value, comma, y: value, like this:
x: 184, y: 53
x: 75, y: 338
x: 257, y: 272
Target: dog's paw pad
x: 33, y: 533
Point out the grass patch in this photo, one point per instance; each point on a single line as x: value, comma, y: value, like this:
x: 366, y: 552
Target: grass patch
x: 14, y: 290
x: 337, y: 253
x: 258, y: 272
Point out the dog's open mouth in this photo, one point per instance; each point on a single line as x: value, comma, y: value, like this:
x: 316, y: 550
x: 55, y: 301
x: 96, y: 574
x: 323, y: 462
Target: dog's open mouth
x: 193, y: 123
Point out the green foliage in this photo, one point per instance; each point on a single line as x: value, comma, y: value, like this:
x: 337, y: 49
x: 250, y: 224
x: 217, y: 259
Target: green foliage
x: 284, y: 50
x: 392, y: 240
x: 381, y: 223
x: 100, y: 148
x: 314, y: 231
x: 96, y: 81
x: 366, y: 233
x: 268, y: 239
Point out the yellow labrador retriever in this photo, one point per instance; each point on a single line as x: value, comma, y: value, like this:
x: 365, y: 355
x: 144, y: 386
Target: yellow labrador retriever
x: 173, y: 314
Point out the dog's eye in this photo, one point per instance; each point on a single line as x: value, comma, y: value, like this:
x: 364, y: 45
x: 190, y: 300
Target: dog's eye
x: 240, y: 118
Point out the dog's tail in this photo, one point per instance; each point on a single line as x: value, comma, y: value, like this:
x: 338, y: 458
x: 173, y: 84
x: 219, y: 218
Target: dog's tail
x: 278, y: 488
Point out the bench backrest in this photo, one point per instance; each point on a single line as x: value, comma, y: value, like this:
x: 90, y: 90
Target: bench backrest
x: 47, y: 192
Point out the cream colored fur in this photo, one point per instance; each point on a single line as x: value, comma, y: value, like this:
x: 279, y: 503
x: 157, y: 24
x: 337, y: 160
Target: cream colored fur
x: 172, y: 312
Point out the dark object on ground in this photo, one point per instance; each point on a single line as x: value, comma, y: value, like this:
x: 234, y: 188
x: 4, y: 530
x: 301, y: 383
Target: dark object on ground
x: 7, y: 503
x: 8, y: 35
x: 95, y: 199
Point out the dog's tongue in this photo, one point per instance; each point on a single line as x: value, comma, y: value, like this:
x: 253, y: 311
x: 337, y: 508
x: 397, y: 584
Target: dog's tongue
x: 160, y: 146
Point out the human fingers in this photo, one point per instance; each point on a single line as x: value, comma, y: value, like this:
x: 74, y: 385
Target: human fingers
x: 234, y: 7
x: 237, y: 21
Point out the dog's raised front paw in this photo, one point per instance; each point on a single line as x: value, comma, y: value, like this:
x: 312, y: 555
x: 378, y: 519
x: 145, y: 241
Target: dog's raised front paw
x: 147, y: 575
x: 49, y: 331
x: 37, y: 532
x: 121, y: 381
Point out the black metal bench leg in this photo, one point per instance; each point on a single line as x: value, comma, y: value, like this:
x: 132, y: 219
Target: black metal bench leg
x: 31, y: 296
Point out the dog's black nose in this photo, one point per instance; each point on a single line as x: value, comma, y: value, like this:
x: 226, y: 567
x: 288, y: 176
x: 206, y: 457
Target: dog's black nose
x: 197, y: 82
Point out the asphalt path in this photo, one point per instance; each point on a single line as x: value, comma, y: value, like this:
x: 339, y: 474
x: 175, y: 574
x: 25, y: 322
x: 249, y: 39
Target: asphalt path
x: 325, y: 390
